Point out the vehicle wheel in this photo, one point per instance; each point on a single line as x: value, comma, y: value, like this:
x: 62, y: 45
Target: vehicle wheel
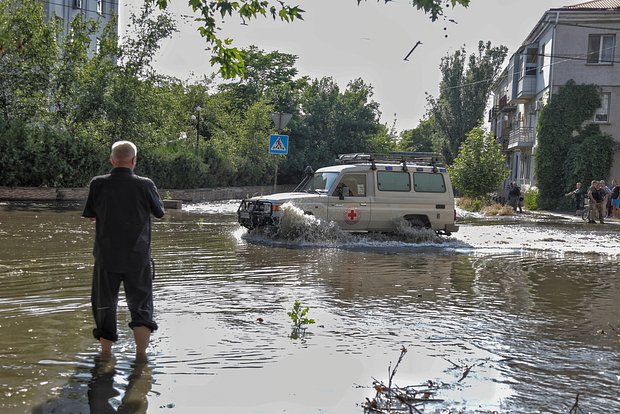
x: 418, y: 222
x: 585, y: 214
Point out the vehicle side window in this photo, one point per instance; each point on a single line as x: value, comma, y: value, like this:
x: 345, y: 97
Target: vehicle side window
x: 428, y: 182
x: 393, y: 181
x: 356, y: 184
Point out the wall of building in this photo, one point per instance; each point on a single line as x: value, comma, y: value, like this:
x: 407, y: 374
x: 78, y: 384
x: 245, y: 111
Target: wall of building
x: 572, y: 42
x: 67, y: 9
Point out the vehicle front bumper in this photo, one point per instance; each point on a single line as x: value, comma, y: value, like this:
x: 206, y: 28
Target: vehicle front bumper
x: 255, y: 213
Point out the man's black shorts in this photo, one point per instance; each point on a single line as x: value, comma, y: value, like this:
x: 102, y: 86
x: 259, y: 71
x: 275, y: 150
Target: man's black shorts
x: 138, y: 287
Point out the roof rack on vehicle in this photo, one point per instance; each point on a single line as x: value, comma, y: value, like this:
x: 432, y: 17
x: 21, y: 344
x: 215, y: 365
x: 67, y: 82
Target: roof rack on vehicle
x: 401, y: 157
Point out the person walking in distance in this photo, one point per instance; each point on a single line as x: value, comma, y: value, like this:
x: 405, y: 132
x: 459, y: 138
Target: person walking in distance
x: 121, y: 204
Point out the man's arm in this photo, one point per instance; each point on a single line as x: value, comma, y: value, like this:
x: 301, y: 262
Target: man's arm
x: 157, y: 205
x: 89, y: 208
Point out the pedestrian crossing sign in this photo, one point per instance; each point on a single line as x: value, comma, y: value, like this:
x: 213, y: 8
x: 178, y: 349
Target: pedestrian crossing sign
x: 278, y: 144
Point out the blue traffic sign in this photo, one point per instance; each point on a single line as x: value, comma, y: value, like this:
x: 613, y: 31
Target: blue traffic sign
x: 278, y: 144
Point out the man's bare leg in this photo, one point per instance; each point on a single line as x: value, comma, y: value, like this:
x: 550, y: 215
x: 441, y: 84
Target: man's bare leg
x: 106, y: 347
x: 141, y: 335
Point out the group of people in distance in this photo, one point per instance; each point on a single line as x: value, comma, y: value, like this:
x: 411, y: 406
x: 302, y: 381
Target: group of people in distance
x: 604, y: 200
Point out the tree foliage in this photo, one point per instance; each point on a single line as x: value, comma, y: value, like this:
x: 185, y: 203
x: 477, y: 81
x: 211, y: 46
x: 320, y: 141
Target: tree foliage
x: 60, y: 117
x: 213, y: 13
x: 569, y: 148
x: 480, y: 167
x: 27, y: 56
x: 424, y: 137
x: 463, y: 92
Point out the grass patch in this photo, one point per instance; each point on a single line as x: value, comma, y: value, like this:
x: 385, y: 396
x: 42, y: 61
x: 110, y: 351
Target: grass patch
x: 497, y: 209
x: 484, y: 206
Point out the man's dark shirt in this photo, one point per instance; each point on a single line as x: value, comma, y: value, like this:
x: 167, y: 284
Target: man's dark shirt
x: 598, y: 195
x: 579, y: 195
x: 122, y: 204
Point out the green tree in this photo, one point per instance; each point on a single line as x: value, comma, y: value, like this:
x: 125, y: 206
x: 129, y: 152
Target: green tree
x: 252, y: 161
x: 421, y: 138
x: 331, y: 122
x: 28, y: 52
x: 213, y: 13
x: 463, y: 92
x: 271, y: 75
x: 67, y: 79
x: 117, y: 94
x: 480, y: 167
x: 562, y: 155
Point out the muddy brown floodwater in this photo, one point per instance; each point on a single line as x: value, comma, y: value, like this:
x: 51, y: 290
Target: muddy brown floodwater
x: 531, y: 304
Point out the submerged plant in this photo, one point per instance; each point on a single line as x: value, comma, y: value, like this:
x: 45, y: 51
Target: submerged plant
x: 201, y: 222
x: 298, y: 316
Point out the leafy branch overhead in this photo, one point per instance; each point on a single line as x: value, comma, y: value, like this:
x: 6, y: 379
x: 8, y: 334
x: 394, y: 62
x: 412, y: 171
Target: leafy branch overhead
x: 212, y: 13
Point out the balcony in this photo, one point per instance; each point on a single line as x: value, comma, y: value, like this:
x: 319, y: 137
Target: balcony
x: 526, y: 88
x: 504, y: 105
x: 522, y: 138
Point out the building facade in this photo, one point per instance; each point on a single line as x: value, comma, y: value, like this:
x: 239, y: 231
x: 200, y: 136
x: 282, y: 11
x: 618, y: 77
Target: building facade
x: 102, y: 11
x: 576, y: 42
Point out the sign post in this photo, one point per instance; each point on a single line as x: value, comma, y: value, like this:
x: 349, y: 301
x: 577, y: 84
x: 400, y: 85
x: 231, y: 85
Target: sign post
x: 278, y: 144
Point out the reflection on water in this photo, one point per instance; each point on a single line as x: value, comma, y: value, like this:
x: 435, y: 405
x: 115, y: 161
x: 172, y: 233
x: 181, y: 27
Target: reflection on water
x: 534, y: 317
x: 101, y: 390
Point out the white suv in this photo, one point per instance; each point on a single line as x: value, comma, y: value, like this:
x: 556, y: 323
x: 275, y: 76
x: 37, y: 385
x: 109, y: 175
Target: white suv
x: 366, y: 193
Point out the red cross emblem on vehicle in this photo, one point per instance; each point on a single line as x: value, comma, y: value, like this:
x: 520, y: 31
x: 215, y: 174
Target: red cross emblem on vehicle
x: 351, y: 216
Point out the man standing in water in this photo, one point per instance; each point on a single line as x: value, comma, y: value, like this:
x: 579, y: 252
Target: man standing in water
x: 121, y: 204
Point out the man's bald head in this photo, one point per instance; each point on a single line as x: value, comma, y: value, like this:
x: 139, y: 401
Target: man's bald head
x: 123, y: 154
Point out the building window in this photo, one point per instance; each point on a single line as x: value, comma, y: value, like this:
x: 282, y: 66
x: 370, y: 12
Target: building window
x: 601, y: 48
x: 77, y: 4
x: 97, y: 45
x: 100, y: 6
x: 602, y: 114
x: 531, y: 61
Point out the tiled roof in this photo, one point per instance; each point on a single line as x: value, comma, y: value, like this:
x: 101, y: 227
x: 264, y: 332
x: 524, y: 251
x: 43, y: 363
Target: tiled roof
x: 595, y: 4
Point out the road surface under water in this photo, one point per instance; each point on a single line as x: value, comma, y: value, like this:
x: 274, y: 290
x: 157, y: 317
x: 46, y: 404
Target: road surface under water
x: 512, y: 315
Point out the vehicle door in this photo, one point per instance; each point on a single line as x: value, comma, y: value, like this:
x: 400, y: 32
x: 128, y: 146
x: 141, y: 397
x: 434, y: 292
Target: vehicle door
x: 349, y: 202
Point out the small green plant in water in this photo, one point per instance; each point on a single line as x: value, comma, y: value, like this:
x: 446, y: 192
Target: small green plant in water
x: 200, y: 222
x: 298, y: 316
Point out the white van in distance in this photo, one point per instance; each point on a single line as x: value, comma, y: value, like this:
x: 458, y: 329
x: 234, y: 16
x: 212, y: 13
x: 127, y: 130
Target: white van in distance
x: 366, y: 193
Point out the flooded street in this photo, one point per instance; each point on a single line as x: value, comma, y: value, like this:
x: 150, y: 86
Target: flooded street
x: 511, y: 315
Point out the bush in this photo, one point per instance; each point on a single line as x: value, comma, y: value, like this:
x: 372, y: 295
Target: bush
x: 497, y: 209
x: 530, y: 199
x: 45, y: 156
x: 480, y: 167
x: 471, y: 203
x: 177, y: 168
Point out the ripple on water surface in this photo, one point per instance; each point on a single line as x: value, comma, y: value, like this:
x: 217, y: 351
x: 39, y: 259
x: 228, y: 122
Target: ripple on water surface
x: 521, y: 308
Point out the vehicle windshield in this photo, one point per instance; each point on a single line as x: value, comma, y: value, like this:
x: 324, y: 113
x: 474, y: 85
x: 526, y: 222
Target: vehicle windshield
x: 320, y: 182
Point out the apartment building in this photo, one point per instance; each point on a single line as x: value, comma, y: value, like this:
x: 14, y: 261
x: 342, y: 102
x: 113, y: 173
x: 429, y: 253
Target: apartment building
x: 98, y: 10
x: 576, y: 42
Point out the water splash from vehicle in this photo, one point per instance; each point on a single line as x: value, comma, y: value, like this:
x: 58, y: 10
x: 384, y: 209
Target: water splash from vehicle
x: 296, y: 226
x: 403, y: 231
x: 299, y: 228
